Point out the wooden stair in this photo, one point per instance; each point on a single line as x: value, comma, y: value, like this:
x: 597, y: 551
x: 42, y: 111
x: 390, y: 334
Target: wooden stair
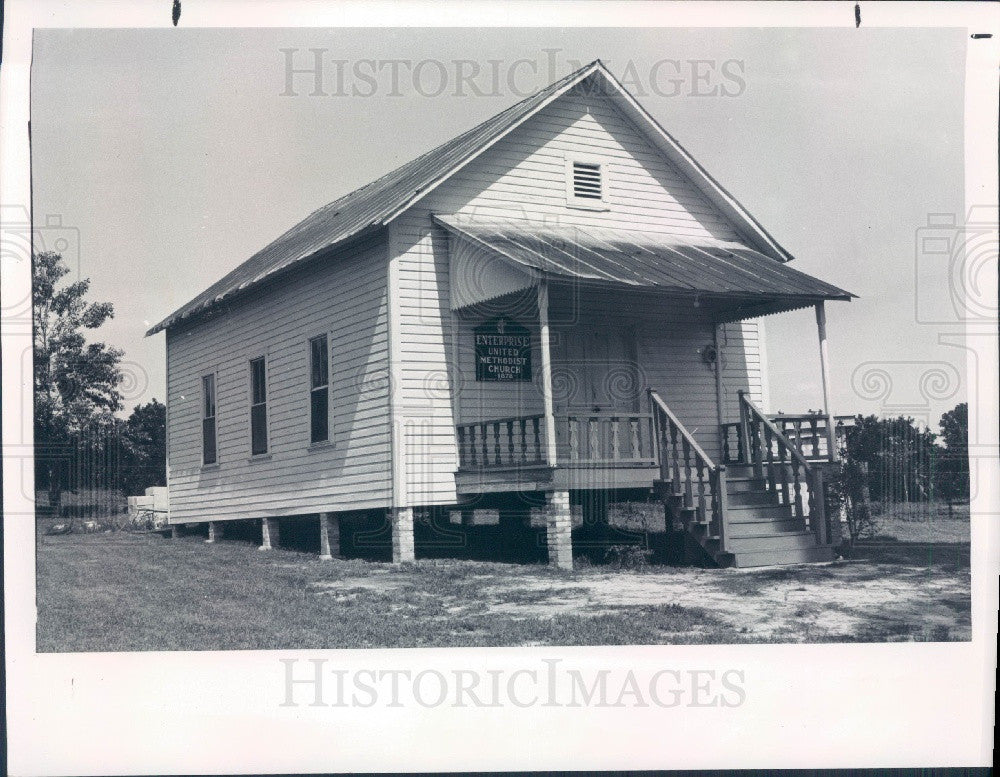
x: 760, y: 531
x: 753, y: 511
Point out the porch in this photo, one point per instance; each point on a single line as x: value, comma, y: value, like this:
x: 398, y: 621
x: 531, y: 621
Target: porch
x: 763, y: 503
x: 583, y: 336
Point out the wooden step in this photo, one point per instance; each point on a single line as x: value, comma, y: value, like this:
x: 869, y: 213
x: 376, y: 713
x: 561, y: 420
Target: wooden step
x: 739, y: 471
x: 765, y: 558
x: 760, y: 528
x: 772, y: 542
x: 758, y: 513
x: 751, y: 498
x: 743, y: 485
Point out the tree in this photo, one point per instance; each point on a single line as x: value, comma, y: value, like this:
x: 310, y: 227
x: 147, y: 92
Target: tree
x: 952, y: 470
x: 76, y: 383
x: 898, y: 454
x: 144, y: 460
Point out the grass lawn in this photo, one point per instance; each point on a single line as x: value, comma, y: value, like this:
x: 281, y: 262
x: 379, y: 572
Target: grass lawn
x: 122, y: 591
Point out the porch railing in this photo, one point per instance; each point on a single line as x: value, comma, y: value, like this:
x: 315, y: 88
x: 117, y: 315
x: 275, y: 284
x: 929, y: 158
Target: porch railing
x: 594, y: 438
x: 699, y: 482
x: 605, y: 437
x: 806, y: 431
x: 780, y: 463
x: 502, y: 443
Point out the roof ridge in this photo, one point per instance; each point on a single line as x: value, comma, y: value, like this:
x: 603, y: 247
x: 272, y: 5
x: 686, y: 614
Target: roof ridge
x: 263, y: 263
x: 314, y: 233
x: 551, y: 87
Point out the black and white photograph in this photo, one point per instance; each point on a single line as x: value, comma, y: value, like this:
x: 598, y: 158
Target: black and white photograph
x: 338, y: 343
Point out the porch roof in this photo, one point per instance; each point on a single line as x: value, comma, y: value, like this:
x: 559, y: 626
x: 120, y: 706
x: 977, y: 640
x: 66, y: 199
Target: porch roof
x: 702, y: 266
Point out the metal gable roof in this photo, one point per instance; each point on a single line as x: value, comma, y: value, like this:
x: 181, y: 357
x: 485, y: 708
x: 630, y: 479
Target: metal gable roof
x: 371, y: 205
x: 379, y: 202
x: 643, y: 259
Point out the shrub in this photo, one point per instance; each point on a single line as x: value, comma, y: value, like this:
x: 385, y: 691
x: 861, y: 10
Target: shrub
x: 627, y: 556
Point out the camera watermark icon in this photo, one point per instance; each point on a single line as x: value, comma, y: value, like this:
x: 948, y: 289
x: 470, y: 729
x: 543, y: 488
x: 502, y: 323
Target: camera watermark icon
x: 904, y: 387
x: 19, y: 239
x: 956, y: 268
x: 134, y: 382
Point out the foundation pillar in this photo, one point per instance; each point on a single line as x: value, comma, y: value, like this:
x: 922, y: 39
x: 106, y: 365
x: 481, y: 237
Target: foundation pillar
x: 402, y: 535
x: 329, y: 536
x: 559, y: 530
x: 214, y: 531
x: 270, y: 533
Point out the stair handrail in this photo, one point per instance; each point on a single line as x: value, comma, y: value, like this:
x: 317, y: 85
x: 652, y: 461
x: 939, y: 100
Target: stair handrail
x: 658, y: 401
x: 792, y: 449
x: 716, y: 482
x: 791, y: 492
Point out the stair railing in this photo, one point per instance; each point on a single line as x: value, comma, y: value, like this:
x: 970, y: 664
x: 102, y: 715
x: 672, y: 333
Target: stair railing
x: 692, y: 474
x: 782, y: 467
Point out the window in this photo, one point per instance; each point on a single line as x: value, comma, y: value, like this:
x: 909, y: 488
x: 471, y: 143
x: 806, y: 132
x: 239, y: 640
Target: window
x: 585, y: 186
x: 319, y: 390
x: 258, y: 407
x: 208, y: 448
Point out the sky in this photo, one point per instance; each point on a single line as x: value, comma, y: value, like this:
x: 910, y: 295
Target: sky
x: 162, y: 159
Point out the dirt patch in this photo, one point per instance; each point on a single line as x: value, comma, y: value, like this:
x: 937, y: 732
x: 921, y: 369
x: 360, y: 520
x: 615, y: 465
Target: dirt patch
x: 839, y: 601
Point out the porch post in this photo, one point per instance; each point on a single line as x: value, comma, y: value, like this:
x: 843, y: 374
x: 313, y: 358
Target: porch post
x: 545, y: 347
x: 824, y: 366
x: 719, y: 396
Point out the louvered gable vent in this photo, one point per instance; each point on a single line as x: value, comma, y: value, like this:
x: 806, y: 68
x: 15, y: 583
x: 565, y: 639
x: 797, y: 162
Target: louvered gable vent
x: 587, y: 182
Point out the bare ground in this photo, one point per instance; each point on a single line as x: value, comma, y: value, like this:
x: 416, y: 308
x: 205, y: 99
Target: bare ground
x: 143, y: 592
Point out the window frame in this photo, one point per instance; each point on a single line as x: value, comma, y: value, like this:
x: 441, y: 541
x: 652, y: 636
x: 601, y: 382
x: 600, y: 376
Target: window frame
x: 586, y: 203
x: 214, y: 375
x: 328, y: 440
x: 266, y: 453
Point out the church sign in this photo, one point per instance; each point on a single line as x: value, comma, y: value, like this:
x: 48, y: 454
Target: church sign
x: 503, y: 352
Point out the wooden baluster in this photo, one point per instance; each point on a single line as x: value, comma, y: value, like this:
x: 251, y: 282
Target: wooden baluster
x: 615, y: 453
x: 757, y: 441
x: 510, y: 442
x: 797, y: 490
x: 744, y: 433
x: 772, y: 484
x: 593, y: 444
x: 726, y: 456
x: 660, y: 430
x: 636, y: 442
x: 817, y: 506
x: 721, y: 506
x: 703, y: 515
x: 537, y: 423
x: 797, y: 439
x: 574, y: 441
x: 689, y: 484
x: 675, y: 475
x: 462, y: 460
x: 814, y: 429
x: 483, y: 433
x: 496, y: 442
x: 523, y: 430
x: 784, y: 497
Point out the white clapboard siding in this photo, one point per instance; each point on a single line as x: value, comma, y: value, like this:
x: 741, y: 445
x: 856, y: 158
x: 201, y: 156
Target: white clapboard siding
x: 343, y: 296
x: 743, y: 368
x: 524, y: 176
